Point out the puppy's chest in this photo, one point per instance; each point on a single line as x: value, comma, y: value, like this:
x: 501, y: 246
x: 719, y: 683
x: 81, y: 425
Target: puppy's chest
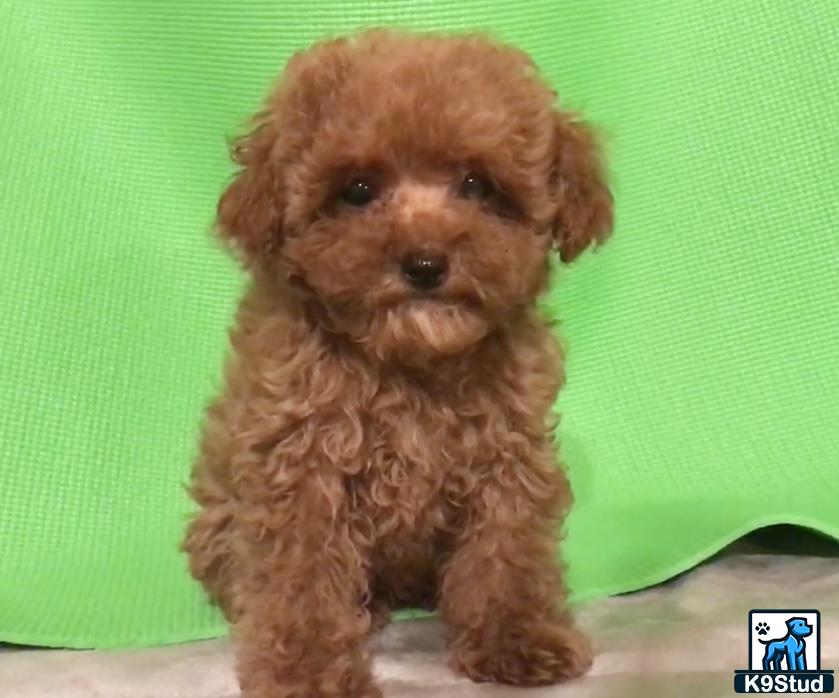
x: 417, y: 469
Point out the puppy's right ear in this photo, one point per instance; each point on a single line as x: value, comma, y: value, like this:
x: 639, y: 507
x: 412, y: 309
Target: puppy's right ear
x: 250, y: 210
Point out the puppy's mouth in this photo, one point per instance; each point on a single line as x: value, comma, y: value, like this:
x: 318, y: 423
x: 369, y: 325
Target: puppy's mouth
x: 414, y: 327
x: 420, y: 328
x: 437, y: 309
x: 442, y: 306
x: 451, y: 295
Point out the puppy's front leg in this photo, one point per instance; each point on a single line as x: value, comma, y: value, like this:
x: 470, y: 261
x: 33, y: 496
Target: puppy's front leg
x: 301, y: 586
x: 501, y: 591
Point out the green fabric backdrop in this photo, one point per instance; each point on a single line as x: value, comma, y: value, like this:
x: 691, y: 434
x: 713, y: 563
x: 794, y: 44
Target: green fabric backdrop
x: 703, y: 398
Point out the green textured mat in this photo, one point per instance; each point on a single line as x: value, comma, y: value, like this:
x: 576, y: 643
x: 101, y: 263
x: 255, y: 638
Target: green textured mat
x: 704, y: 373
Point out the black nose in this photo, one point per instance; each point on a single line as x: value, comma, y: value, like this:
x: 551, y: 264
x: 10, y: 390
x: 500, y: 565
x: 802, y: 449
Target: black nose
x: 425, y: 270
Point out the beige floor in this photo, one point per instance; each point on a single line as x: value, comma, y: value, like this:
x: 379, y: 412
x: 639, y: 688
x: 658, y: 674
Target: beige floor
x: 682, y: 639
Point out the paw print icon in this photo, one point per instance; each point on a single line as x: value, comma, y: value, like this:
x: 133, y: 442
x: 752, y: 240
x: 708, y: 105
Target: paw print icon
x: 762, y: 628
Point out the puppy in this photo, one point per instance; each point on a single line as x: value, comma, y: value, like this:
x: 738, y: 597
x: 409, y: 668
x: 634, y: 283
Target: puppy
x: 384, y: 437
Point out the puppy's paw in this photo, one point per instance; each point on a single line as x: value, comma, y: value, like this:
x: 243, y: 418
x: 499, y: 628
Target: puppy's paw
x: 306, y: 690
x: 540, y: 655
x: 340, y: 680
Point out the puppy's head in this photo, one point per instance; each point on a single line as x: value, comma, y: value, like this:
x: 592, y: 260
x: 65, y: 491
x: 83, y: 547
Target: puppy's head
x: 411, y: 187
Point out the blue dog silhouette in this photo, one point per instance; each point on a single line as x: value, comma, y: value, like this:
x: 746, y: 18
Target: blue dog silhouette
x: 791, y: 647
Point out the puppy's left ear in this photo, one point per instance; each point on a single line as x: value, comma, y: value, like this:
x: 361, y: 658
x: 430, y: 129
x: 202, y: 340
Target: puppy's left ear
x: 585, y: 209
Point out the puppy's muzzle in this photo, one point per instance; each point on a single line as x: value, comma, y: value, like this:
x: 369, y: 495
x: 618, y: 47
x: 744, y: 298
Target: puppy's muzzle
x: 425, y: 270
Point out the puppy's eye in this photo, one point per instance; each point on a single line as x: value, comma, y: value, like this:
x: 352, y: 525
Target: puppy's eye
x: 359, y: 192
x: 475, y: 187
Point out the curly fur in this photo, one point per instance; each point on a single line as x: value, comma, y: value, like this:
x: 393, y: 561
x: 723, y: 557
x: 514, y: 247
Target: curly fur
x: 374, y: 447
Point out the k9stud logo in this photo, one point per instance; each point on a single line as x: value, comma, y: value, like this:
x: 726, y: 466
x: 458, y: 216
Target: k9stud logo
x: 784, y: 654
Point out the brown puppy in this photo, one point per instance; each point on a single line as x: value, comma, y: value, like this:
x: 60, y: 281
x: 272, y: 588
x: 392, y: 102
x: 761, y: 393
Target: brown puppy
x: 384, y: 436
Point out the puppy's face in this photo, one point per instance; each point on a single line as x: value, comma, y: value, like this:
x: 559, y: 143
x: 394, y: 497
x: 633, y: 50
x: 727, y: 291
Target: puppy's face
x: 412, y: 188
